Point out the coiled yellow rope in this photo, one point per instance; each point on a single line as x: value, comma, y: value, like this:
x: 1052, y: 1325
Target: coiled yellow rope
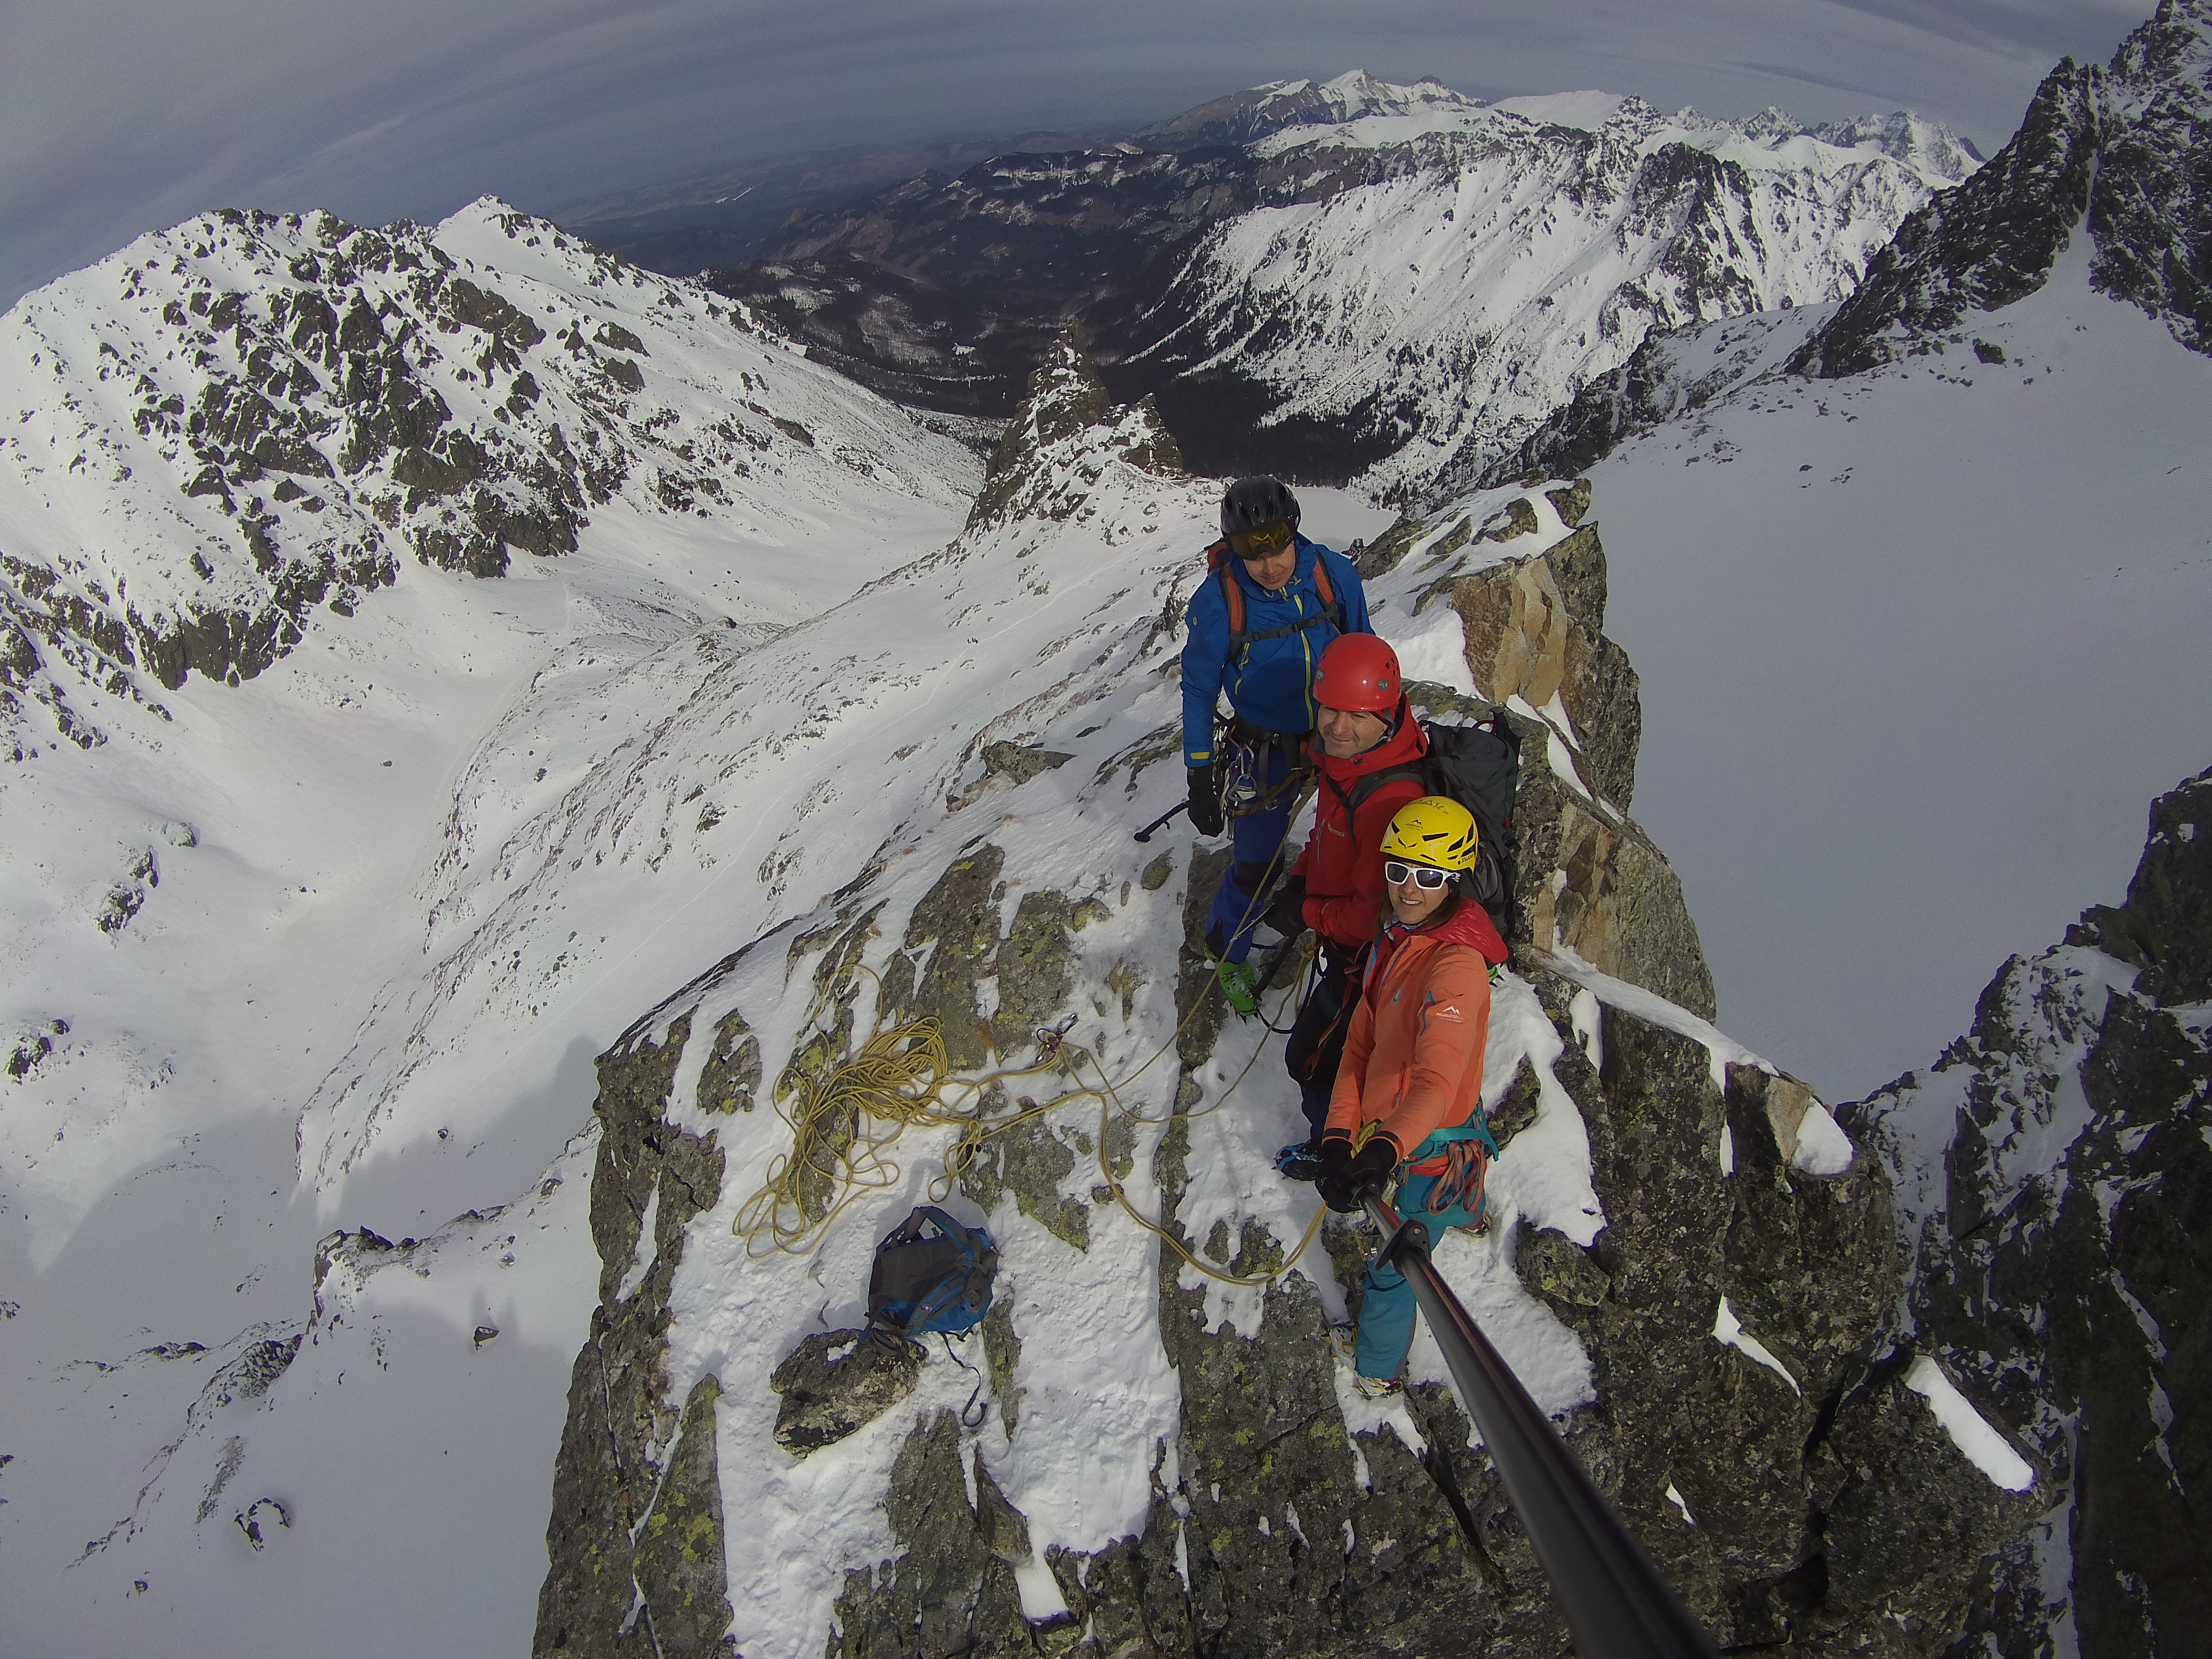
x: 845, y: 1117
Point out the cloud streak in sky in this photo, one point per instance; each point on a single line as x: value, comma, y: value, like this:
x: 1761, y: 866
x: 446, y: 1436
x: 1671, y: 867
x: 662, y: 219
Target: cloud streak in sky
x: 121, y: 116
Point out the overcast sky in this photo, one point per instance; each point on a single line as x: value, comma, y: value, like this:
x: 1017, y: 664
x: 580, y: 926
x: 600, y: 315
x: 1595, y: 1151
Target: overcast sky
x: 123, y: 115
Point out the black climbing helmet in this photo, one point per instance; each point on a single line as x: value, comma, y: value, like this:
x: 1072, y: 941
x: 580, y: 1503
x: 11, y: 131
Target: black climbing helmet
x: 1251, y: 502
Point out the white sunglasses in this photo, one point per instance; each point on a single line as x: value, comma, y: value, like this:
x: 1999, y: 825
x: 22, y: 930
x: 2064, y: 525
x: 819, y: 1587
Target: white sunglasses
x: 1421, y: 875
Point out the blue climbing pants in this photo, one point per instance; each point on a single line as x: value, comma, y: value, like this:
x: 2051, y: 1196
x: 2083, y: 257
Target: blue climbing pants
x: 1255, y: 839
x: 1386, y: 1309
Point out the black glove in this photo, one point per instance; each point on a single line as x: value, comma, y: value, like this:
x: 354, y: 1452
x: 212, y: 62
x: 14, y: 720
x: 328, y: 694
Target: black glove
x: 1285, y: 911
x: 1335, y: 1153
x: 1205, y: 804
x: 1365, y: 1172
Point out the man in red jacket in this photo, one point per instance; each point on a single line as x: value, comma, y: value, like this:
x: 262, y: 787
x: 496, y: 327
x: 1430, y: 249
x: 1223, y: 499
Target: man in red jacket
x: 1365, y: 726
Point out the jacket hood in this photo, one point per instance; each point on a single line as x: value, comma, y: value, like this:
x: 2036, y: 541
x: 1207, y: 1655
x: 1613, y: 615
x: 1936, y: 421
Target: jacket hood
x: 1468, y: 924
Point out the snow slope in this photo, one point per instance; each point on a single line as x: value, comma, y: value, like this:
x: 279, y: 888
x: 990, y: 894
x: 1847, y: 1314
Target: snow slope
x: 1915, y: 645
x: 219, y: 893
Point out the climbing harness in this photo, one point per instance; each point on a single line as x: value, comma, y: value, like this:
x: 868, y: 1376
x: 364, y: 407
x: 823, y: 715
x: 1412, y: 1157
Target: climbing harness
x: 1460, y: 1171
x: 1240, y: 769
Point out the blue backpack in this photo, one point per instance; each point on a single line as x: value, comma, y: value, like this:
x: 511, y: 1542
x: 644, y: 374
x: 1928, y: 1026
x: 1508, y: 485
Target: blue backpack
x: 923, y: 1283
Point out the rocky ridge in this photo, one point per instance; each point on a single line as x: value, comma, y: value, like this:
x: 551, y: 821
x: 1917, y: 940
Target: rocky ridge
x: 2117, y: 151
x: 1799, y: 1488
x: 2123, y: 152
x: 2053, y: 1179
x: 233, y: 431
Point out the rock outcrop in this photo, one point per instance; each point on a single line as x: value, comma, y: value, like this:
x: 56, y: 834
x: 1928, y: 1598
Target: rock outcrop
x: 2054, y: 1174
x: 636, y: 1537
x: 1730, y: 1282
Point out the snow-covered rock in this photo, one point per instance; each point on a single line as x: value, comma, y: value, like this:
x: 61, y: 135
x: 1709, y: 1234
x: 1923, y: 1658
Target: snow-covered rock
x: 1130, y: 1451
x: 2118, y: 151
x: 2053, y: 1169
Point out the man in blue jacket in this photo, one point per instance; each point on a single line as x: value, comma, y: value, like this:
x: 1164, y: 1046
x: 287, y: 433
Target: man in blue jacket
x: 1258, y: 624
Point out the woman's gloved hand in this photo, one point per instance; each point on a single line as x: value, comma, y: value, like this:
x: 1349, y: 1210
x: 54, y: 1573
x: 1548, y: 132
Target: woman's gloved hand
x: 1364, y: 1172
x: 1205, y: 804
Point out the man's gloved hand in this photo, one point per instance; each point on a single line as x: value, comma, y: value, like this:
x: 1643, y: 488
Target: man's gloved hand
x: 1285, y: 910
x: 1364, y: 1172
x: 1205, y: 804
x: 1335, y: 1153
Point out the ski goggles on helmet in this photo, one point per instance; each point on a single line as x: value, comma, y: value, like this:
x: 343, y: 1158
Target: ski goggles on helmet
x: 1259, y: 543
x: 1425, y: 876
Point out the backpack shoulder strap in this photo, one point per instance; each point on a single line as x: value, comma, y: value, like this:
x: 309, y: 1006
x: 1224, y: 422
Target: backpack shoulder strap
x: 1368, y: 784
x: 1232, y: 598
x: 1331, y: 607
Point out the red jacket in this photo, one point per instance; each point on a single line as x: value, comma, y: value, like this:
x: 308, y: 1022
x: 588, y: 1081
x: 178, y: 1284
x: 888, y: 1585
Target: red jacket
x: 1342, y: 864
x: 1413, y: 1057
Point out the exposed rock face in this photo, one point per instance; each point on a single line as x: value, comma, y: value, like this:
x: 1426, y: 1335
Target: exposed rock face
x: 2054, y: 1173
x: 2129, y: 146
x: 635, y: 1538
x: 1534, y: 630
x: 1590, y: 879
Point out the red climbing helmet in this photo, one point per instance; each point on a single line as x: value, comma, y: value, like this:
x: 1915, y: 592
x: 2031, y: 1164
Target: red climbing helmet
x: 1359, y: 671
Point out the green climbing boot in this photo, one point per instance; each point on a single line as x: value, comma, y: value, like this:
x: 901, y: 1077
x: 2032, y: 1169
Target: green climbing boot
x: 1238, y: 989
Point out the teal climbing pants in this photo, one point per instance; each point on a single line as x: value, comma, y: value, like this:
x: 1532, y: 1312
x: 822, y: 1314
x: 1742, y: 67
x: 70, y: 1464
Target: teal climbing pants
x: 1386, y: 1309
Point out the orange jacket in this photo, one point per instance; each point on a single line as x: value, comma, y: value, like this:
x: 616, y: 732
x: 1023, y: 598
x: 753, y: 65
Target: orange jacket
x: 1413, y: 1057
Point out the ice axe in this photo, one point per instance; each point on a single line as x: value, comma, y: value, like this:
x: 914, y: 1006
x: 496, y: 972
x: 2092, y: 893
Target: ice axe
x: 1160, y: 822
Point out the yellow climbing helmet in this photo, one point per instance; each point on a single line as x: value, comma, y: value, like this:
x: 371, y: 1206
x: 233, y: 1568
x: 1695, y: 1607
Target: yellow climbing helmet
x: 1434, y: 830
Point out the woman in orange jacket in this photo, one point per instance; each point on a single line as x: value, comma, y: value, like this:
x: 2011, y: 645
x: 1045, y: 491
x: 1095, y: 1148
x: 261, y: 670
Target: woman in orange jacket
x: 1408, y: 1095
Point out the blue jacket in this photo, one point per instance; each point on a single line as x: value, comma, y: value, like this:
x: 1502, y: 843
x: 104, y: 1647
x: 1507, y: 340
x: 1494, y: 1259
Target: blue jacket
x: 1270, y: 683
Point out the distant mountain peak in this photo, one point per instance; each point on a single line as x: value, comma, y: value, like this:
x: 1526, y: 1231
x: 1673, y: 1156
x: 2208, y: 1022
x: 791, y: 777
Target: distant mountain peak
x: 290, y: 409
x: 1256, y: 113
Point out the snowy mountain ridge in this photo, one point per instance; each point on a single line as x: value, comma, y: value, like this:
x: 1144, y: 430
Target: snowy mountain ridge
x: 233, y: 427
x: 1255, y: 112
x: 1398, y: 285
x: 2117, y: 152
x: 1362, y: 113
